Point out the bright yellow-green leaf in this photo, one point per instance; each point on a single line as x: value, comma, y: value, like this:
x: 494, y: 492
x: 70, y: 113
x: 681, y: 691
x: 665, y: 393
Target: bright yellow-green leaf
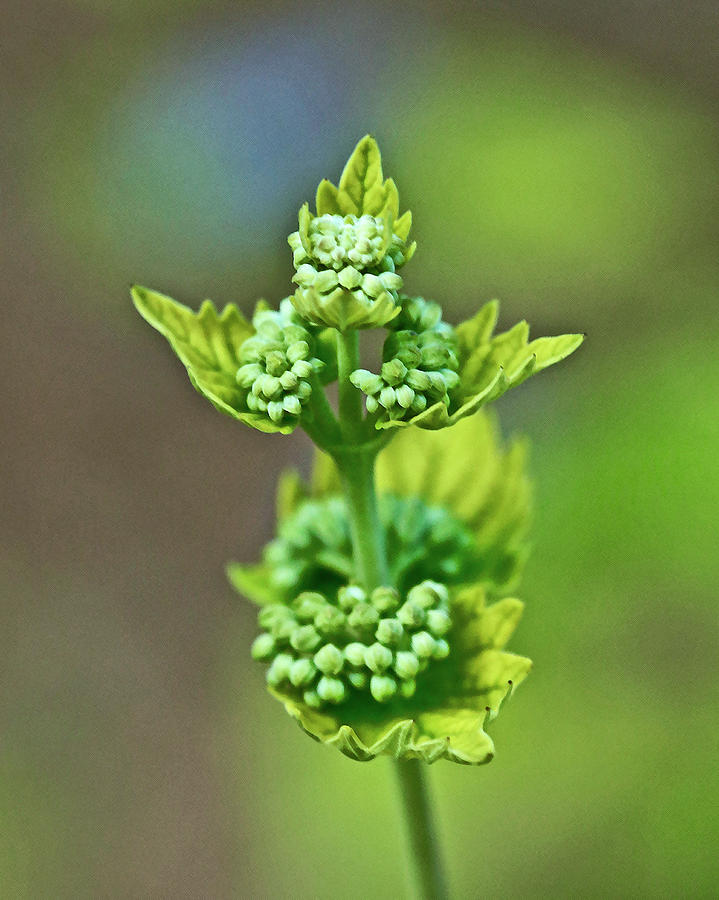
x: 208, y: 344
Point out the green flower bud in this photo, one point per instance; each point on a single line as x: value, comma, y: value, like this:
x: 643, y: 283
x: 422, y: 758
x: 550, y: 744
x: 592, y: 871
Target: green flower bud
x: 382, y: 687
x: 329, y: 660
x: 308, y: 604
x: 350, y: 278
x: 430, y: 593
x: 302, y: 671
x: 279, y: 669
x: 438, y: 622
x: 387, y: 397
x: 406, y: 664
x: 389, y: 632
x: 363, y: 616
x: 407, y: 688
x: 378, y: 657
x: 349, y: 596
x: 305, y: 639
x: 312, y: 699
x: 277, y: 365
x: 330, y: 620
x: 332, y: 690
x: 385, y: 599
x: 411, y: 615
x: 358, y: 680
x: 423, y: 644
x: 269, y: 615
x: 405, y: 396
x: 394, y: 372
x: 355, y: 653
x: 367, y: 382
x: 263, y: 646
x: 441, y: 649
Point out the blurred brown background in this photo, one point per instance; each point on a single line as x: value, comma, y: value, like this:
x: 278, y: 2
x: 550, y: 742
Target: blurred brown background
x: 560, y: 156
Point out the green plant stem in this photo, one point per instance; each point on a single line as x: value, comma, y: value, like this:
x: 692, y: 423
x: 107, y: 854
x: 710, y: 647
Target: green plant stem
x: 368, y: 546
x: 349, y: 398
x: 355, y: 461
x: 427, y: 866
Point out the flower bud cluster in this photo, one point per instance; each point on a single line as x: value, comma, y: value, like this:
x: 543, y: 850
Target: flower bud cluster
x: 313, y: 548
x: 418, y: 314
x: 277, y: 365
x: 345, y: 270
x: 377, y: 642
x: 420, y: 369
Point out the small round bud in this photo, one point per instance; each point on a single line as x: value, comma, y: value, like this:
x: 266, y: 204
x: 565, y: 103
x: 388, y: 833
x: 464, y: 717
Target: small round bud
x: 407, y: 688
x: 349, y: 277
x: 330, y: 620
x: 312, y: 699
x: 298, y: 350
x: 332, y: 690
x: 425, y: 595
x: 394, y: 371
x: 289, y: 381
x: 418, y: 380
x: 305, y: 275
x: 302, y: 368
x: 405, y: 396
x: 385, y: 599
x: 378, y: 657
x: 387, y: 397
x: 291, y: 404
x: 305, y: 639
x: 423, y: 644
x: 263, y: 646
x: 302, y: 671
x: 406, y: 664
x: 411, y: 615
x: 355, y: 653
x: 363, y: 616
x: 275, y: 411
x: 382, y: 687
x: 279, y: 669
x: 308, y: 604
x: 329, y: 660
x: 272, y: 613
x: 349, y: 596
x: 389, y: 631
x: 441, y: 649
x: 358, y: 680
x: 438, y: 622
x: 325, y: 281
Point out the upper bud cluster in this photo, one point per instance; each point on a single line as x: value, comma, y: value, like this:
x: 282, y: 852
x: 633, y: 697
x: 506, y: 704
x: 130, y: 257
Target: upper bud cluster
x: 420, y: 369
x: 377, y: 642
x: 346, y: 269
x: 277, y: 365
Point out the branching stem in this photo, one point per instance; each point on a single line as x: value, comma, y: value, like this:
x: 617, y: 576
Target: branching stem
x: 355, y: 461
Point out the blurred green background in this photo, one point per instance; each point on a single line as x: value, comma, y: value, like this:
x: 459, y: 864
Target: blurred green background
x: 559, y: 156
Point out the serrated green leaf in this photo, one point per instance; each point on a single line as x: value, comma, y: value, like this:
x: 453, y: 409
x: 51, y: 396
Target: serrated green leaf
x: 489, y: 366
x: 362, y: 180
x: 325, y: 476
x: 208, y: 344
x: 252, y: 582
x: 327, y: 202
x: 467, y: 470
x: 402, y: 225
x: 291, y: 491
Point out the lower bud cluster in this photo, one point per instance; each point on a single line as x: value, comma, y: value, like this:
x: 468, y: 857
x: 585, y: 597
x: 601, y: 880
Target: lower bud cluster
x: 377, y: 643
